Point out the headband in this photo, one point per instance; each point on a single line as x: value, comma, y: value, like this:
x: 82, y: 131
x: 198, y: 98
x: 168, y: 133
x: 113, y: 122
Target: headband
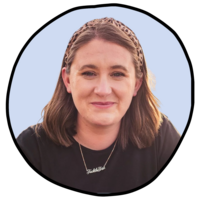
x: 115, y: 23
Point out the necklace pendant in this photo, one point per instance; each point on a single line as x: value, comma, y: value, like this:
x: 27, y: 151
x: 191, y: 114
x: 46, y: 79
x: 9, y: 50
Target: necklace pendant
x: 98, y: 169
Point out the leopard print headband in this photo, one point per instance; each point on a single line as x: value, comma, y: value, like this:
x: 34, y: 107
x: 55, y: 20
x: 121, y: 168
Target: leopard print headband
x: 113, y: 22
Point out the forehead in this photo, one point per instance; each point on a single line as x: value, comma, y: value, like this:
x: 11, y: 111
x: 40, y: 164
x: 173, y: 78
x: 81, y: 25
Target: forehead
x: 104, y: 53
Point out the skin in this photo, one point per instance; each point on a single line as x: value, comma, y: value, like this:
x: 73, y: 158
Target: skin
x: 101, y: 72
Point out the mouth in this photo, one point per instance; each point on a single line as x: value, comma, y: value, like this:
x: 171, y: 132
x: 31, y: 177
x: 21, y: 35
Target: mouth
x: 107, y: 104
x: 103, y: 103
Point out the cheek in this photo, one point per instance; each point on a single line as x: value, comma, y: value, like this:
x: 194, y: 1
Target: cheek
x: 127, y: 89
x: 80, y: 88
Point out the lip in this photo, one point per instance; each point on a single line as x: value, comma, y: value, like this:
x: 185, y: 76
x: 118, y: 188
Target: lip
x: 103, y: 103
x: 106, y: 104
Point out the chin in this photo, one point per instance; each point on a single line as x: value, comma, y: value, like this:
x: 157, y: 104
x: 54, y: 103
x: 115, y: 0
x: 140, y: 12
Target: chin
x: 104, y: 121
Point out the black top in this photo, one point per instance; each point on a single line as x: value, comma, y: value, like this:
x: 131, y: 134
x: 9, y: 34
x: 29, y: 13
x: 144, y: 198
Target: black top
x: 125, y: 170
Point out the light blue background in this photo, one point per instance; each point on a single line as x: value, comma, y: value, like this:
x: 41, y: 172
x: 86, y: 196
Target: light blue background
x: 38, y: 69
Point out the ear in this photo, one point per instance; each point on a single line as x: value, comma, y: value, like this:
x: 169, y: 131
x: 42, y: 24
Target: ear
x: 138, y: 84
x: 66, y: 80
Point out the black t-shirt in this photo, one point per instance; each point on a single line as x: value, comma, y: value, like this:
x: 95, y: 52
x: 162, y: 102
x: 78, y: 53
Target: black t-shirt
x: 125, y: 170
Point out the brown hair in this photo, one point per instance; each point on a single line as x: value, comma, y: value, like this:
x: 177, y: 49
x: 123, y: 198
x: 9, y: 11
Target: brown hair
x: 142, y: 120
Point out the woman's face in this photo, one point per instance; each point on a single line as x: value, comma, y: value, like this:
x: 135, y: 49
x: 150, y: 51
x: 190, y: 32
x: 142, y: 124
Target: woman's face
x: 102, y: 82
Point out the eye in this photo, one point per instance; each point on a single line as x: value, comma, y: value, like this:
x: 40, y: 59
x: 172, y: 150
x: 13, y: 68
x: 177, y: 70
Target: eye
x: 88, y: 74
x: 118, y: 74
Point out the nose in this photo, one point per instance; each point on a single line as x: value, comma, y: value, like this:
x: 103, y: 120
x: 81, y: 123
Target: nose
x: 103, y: 87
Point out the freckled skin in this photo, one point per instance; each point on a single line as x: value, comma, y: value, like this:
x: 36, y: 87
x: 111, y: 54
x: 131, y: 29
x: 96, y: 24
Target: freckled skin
x: 103, y: 83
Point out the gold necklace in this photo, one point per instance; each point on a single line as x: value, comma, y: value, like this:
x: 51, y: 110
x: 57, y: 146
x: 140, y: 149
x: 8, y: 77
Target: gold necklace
x: 97, y: 169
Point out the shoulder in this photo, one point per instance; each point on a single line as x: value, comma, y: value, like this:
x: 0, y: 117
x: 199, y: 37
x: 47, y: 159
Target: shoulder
x: 166, y: 141
x: 29, y: 144
x: 26, y: 134
x: 34, y: 138
x: 167, y: 129
x: 29, y: 136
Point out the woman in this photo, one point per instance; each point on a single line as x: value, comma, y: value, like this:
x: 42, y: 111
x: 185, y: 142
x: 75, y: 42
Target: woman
x: 102, y: 130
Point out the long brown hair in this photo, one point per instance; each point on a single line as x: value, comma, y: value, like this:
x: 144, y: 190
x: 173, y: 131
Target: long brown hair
x: 140, y: 123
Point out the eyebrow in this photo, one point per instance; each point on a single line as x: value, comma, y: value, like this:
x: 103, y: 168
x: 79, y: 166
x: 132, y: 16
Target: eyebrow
x: 112, y: 67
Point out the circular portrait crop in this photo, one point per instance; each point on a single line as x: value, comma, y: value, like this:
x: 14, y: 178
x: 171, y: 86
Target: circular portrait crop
x: 114, y: 85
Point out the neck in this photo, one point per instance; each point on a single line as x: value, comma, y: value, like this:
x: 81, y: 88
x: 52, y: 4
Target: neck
x: 95, y: 137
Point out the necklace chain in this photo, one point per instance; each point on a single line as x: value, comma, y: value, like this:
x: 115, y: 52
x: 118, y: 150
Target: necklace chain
x: 98, y: 169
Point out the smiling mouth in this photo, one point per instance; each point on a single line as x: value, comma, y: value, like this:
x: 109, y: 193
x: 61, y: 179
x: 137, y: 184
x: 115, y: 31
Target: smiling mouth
x: 103, y: 104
